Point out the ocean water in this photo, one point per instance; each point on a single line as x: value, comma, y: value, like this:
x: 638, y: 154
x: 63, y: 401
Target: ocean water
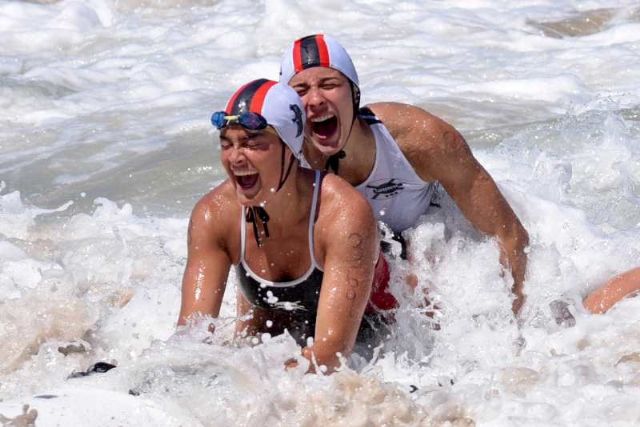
x: 105, y: 145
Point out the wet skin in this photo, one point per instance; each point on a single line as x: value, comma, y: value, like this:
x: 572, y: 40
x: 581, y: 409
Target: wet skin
x: 435, y: 150
x: 327, y: 97
x: 345, y: 243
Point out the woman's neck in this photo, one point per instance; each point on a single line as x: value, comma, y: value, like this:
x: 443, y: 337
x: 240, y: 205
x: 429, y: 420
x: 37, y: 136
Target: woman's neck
x: 292, y: 202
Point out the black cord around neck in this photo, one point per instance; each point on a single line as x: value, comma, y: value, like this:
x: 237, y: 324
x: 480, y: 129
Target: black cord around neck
x: 255, y: 214
x: 333, y: 162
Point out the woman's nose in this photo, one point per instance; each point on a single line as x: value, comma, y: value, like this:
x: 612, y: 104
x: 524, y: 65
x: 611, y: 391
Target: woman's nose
x: 235, y: 154
x: 315, y: 98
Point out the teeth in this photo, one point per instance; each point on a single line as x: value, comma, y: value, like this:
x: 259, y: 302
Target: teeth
x: 322, y: 118
x: 243, y: 173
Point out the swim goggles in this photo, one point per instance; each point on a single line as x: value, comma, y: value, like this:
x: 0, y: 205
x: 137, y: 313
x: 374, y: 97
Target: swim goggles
x: 248, y: 120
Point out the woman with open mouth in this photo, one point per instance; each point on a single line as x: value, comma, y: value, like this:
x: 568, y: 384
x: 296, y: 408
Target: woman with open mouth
x: 304, y: 244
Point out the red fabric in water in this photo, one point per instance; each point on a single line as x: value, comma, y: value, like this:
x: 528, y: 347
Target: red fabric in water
x: 380, y: 298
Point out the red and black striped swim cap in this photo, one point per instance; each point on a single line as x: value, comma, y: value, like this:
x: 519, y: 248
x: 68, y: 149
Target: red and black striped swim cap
x: 318, y: 50
x: 278, y: 103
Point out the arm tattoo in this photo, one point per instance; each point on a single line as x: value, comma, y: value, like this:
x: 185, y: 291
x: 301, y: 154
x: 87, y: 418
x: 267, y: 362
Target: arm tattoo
x: 352, y: 292
x: 356, y: 240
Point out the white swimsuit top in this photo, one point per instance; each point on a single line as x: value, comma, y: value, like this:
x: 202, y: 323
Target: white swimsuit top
x: 397, y: 195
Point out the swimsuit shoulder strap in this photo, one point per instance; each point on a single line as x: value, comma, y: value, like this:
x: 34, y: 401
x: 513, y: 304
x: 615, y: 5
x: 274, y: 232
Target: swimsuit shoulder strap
x: 368, y: 116
x: 243, y: 233
x: 312, y: 217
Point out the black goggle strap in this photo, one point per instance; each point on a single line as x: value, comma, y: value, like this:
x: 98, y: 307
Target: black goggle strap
x: 255, y: 214
x: 283, y: 175
x: 333, y: 162
x: 258, y: 213
x: 355, y: 91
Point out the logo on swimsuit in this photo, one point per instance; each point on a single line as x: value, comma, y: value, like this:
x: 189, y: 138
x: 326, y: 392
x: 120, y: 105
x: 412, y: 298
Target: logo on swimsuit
x: 297, y: 119
x: 386, y: 189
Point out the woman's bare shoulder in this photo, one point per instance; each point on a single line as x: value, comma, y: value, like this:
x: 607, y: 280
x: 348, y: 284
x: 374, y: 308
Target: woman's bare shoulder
x: 216, y: 212
x: 342, y: 206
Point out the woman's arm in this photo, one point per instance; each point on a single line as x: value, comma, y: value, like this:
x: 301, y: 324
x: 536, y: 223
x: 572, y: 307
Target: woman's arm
x: 621, y: 286
x: 438, y: 152
x: 208, y: 263
x: 349, y: 240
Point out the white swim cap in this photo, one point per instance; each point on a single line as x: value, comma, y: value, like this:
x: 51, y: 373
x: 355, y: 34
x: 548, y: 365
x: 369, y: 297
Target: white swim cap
x: 318, y: 50
x: 278, y: 103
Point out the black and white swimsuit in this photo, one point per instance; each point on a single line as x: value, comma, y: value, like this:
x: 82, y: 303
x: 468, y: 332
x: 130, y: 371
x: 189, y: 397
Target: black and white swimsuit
x: 298, y: 297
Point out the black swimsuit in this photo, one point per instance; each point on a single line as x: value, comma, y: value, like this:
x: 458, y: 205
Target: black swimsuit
x: 298, y: 298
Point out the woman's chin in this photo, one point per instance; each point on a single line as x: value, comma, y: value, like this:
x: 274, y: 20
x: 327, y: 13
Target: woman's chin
x: 247, y: 198
x: 327, y: 147
x: 257, y: 198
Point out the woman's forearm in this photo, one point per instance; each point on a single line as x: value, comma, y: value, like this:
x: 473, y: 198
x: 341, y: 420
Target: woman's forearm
x: 620, y: 287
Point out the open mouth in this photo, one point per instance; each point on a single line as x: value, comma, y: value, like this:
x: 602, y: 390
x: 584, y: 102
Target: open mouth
x: 324, y: 126
x: 246, y: 180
